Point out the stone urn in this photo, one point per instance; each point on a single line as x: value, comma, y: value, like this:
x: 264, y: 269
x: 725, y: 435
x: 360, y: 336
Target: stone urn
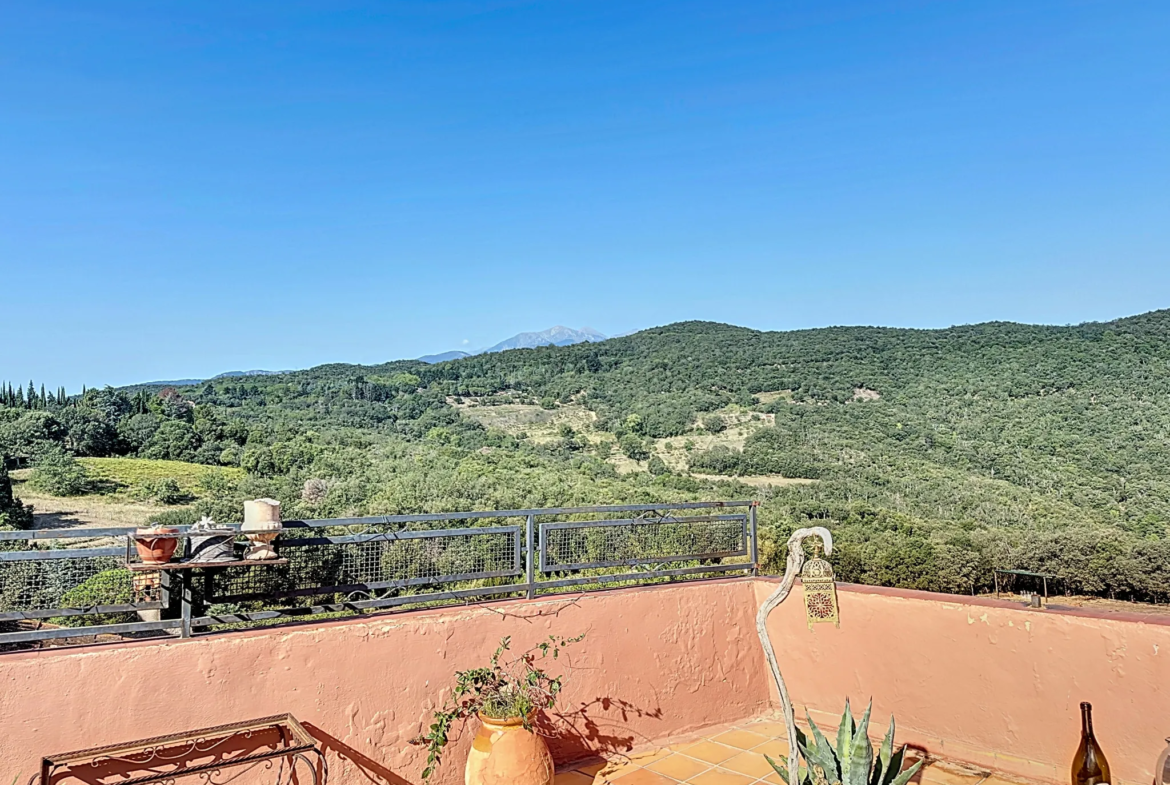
x: 261, y: 527
x: 506, y: 753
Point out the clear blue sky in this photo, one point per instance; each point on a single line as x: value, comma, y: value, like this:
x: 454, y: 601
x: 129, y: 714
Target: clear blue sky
x: 193, y: 187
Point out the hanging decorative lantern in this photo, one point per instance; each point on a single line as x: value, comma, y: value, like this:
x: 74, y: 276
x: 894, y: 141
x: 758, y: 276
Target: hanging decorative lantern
x: 1162, y: 770
x: 820, y: 592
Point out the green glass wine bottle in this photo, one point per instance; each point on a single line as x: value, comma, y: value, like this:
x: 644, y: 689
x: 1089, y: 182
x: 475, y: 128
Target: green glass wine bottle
x: 1089, y: 766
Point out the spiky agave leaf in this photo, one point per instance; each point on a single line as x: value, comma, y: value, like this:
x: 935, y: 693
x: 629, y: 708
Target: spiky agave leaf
x: 852, y: 762
x: 821, y: 753
x: 905, y: 776
x: 885, y: 752
x: 846, y: 729
x: 779, y: 768
x: 857, y: 761
x: 801, y: 743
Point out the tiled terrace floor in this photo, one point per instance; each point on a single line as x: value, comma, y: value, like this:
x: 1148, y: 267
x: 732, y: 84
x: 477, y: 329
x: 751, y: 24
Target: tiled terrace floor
x: 734, y: 755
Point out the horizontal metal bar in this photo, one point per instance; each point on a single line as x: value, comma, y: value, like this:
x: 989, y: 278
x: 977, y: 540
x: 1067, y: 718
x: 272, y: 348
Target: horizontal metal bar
x: 641, y: 521
x: 65, y: 534
x: 455, y: 516
x: 637, y: 576
x: 87, y: 534
x: 60, y: 553
x: 310, y: 591
x: 647, y: 560
x: 56, y: 534
x: 298, y: 542
x: 389, y: 602
x: 298, y: 733
x: 97, y: 609
x: 85, y: 632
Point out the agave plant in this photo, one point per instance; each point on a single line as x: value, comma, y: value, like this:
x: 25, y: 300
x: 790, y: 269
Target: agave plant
x: 851, y: 762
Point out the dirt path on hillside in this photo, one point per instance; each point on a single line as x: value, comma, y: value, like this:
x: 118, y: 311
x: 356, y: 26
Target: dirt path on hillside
x: 83, y: 512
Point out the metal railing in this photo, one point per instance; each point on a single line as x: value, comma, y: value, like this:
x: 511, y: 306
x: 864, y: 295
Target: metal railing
x: 344, y: 566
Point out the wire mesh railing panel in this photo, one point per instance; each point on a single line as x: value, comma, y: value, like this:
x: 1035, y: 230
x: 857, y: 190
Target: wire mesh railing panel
x: 363, y: 563
x: 37, y: 588
x: 585, y: 545
x: 353, y: 565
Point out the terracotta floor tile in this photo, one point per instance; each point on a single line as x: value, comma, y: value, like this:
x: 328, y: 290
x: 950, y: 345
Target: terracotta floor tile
x: 572, y: 778
x: 720, y: 777
x: 1000, y: 779
x: 767, y: 728
x: 944, y: 774
x: 644, y: 777
x: 773, y: 779
x: 709, y: 751
x: 750, y: 763
x: 776, y: 748
x: 591, y: 768
x: 679, y: 766
x: 646, y: 757
x: 742, y: 739
x: 617, y: 768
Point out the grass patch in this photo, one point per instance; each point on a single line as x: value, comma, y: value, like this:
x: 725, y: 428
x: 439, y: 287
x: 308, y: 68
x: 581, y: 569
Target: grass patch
x: 117, y: 496
x: 123, y: 475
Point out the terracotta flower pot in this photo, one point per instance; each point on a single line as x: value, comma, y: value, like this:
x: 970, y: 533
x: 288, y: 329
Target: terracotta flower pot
x: 156, y: 550
x: 506, y: 753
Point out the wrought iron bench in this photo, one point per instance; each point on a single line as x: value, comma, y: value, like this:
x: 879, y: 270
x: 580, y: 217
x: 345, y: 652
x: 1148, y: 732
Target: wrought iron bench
x: 278, y: 743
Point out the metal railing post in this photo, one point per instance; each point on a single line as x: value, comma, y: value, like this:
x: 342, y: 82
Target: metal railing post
x: 529, y: 542
x: 753, y: 539
x: 185, y: 598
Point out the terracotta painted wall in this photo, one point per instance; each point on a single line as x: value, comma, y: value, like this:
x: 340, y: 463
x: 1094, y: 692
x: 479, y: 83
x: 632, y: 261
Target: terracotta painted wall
x: 657, y: 661
x: 981, y: 681
x: 985, y: 681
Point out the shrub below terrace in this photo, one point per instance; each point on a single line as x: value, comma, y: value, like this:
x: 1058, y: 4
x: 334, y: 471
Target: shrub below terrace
x: 165, y: 490
x: 633, y: 447
x: 713, y: 423
x: 13, y: 513
x: 111, y: 587
x: 58, y: 473
x: 766, y: 451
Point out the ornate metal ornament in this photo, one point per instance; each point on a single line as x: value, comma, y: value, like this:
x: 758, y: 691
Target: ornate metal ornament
x: 277, y: 744
x: 820, y: 592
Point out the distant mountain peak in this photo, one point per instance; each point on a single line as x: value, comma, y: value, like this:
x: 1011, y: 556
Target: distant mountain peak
x: 555, y: 336
x: 431, y: 359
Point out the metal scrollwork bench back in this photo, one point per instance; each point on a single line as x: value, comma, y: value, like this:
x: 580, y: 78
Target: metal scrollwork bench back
x: 152, y: 755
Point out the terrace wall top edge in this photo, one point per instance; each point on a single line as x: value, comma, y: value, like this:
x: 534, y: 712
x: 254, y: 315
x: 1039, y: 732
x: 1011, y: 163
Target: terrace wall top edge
x: 1052, y: 609
x: 494, y: 607
x: 57, y: 534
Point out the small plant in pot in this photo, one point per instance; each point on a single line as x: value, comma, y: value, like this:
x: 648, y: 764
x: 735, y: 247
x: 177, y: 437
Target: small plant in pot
x: 156, y: 543
x: 506, y: 697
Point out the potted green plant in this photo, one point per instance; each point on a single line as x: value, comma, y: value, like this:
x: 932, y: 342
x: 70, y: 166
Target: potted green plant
x: 505, y: 696
x: 851, y: 761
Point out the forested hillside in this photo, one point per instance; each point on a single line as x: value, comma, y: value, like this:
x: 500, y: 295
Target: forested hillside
x: 933, y: 454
